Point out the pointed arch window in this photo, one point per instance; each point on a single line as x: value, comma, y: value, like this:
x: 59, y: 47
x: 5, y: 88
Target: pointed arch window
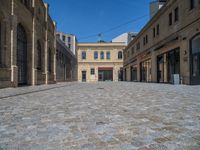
x: 39, y: 55
x: 22, y: 54
x: 49, y: 60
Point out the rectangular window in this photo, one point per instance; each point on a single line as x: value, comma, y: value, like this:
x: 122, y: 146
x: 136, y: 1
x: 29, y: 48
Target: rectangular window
x: 146, y: 39
x: 69, y: 45
x: 170, y: 19
x: 154, y: 32
x: 102, y: 55
x: 63, y: 38
x: 138, y: 46
x: 176, y: 14
x: 158, y: 29
x: 69, y: 39
x: 120, y: 55
x: 92, y: 71
x: 95, y: 55
x: 192, y: 4
x: 83, y: 55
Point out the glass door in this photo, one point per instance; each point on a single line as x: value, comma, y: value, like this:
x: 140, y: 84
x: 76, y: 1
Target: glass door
x: 84, y: 74
x: 195, y: 60
x: 160, y: 69
x: 100, y: 76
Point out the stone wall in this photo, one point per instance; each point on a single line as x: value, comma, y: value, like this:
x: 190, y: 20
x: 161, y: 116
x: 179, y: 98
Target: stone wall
x: 37, y: 25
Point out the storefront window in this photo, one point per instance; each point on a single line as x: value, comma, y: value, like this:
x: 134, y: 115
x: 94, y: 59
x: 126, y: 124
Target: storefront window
x: 0, y: 47
x: 196, y: 56
x: 134, y: 73
x: 145, y: 70
x: 168, y: 64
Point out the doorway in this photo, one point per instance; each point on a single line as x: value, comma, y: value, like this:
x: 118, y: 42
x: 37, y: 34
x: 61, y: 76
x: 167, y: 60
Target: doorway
x: 168, y: 64
x: 195, y: 60
x: 100, y: 76
x: 145, y: 71
x: 133, y: 73
x: 84, y: 76
x: 160, y: 66
x: 105, y: 74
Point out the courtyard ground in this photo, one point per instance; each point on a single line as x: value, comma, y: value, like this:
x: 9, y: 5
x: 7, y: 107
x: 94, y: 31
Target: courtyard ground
x: 100, y: 116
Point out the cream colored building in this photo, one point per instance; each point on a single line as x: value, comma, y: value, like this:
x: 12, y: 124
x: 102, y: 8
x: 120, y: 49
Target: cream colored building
x: 168, y: 47
x: 100, y: 61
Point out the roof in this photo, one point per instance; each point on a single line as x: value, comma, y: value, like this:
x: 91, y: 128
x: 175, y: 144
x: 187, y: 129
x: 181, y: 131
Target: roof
x: 102, y: 44
x: 149, y: 23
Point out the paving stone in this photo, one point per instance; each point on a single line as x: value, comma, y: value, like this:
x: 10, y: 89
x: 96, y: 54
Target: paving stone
x: 100, y: 116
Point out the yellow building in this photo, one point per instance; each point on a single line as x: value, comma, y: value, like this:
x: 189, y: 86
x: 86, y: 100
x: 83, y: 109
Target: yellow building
x: 168, y: 47
x: 100, y: 61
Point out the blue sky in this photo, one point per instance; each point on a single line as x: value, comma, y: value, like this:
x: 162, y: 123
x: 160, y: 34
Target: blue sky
x: 88, y: 17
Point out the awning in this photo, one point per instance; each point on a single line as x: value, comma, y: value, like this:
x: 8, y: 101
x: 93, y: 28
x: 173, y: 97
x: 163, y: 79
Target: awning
x: 105, y: 68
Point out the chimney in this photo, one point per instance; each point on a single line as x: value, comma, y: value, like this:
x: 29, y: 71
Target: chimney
x: 155, y: 6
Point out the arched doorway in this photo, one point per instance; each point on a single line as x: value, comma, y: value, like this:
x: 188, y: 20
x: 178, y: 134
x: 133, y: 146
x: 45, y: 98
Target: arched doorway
x: 21, y: 55
x: 195, y: 59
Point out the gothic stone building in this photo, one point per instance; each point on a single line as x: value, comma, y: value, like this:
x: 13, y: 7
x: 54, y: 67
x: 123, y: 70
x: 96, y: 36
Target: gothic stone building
x: 27, y: 43
x: 169, y: 44
x: 100, y: 61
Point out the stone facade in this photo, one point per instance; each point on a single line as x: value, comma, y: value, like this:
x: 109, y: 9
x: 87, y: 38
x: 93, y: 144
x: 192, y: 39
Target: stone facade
x: 168, y: 44
x: 100, y: 61
x: 66, y: 63
x: 69, y: 40
x: 27, y: 47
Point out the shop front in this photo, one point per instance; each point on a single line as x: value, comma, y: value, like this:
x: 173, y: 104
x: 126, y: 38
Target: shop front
x: 195, y: 60
x: 145, y: 71
x: 105, y: 74
x: 134, y: 73
x: 168, y: 65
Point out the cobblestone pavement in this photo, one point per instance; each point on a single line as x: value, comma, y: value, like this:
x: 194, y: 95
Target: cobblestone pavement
x: 100, y: 116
